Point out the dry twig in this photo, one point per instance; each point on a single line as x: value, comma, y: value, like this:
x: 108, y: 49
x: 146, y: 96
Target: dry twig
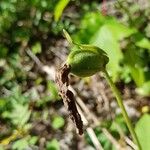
x: 68, y: 97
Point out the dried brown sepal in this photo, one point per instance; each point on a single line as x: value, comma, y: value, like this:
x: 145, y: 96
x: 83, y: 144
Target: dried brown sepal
x: 62, y: 81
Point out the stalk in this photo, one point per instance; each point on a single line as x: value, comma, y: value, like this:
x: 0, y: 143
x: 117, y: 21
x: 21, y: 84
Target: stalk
x: 124, y: 112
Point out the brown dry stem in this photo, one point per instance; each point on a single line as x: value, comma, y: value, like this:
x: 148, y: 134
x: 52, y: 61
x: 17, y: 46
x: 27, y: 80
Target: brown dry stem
x: 62, y: 81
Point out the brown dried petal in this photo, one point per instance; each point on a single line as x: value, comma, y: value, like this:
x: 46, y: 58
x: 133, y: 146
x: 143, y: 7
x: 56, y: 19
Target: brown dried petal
x: 68, y: 97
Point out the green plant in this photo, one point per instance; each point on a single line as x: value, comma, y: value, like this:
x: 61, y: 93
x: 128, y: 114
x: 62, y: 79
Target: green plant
x: 143, y: 131
x: 88, y: 60
x: 59, y: 8
x: 126, y: 46
x: 52, y: 145
x: 58, y: 122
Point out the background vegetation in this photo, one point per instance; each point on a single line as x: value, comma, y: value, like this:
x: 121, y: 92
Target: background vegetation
x: 32, y: 115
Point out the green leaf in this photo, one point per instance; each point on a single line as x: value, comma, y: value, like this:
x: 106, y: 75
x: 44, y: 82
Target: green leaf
x: 33, y: 140
x: 58, y: 122
x: 89, y: 25
x: 2, y: 103
x: 105, y: 142
x: 21, y: 34
x: 8, y: 75
x: 133, y: 61
x: 143, y: 131
x: 20, y: 144
x: 53, y: 91
x: 144, y: 89
x: 19, y: 115
x: 59, y: 8
x: 119, y: 30
x: 120, y: 121
x: 143, y: 43
x: 104, y: 38
x: 107, y: 38
x: 52, y: 145
x: 36, y: 48
x: 3, y: 51
x: 1, y: 147
x: 67, y: 36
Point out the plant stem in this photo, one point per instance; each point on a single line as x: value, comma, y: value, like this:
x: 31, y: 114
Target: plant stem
x: 124, y: 112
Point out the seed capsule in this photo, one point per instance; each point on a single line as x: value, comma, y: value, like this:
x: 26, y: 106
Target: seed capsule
x: 87, y: 60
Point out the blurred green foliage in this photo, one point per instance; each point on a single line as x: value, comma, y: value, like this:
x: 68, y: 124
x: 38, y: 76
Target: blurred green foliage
x: 143, y: 131
x: 130, y: 62
x: 59, y: 8
x: 58, y: 122
x: 52, y: 145
x: 25, y: 142
x: 34, y: 24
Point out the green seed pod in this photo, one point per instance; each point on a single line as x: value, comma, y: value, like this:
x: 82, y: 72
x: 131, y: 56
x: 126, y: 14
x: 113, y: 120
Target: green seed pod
x: 87, y: 60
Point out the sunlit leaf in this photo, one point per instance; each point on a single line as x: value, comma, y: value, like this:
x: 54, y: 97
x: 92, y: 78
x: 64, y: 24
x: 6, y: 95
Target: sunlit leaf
x: 53, y: 90
x: 143, y: 43
x: 105, y: 39
x: 67, y: 36
x: 52, y: 145
x: 36, y: 48
x: 89, y: 25
x: 144, y: 89
x: 133, y: 62
x: 143, y: 131
x: 59, y: 8
x: 58, y: 122
x: 20, y: 144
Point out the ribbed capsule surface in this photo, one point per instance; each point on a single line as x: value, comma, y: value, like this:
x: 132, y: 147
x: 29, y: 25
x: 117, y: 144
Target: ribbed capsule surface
x: 87, y: 60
